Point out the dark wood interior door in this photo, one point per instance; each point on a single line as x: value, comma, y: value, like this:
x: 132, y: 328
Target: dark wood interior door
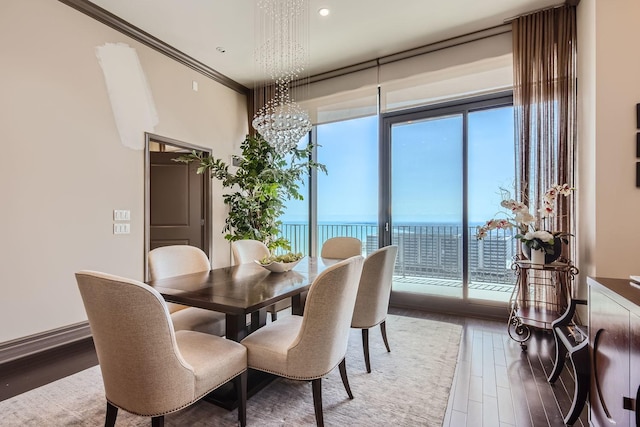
x: 177, y: 193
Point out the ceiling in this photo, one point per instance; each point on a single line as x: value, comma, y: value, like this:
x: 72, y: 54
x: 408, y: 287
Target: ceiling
x: 355, y: 31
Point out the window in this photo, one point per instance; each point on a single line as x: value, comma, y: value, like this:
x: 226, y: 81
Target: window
x: 425, y: 184
x: 295, y: 220
x: 348, y: 193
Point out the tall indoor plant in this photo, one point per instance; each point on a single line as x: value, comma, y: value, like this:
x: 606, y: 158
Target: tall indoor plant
x: 259, y: 188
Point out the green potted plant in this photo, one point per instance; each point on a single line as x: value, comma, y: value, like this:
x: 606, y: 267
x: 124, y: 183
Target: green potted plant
x: 259, y: 188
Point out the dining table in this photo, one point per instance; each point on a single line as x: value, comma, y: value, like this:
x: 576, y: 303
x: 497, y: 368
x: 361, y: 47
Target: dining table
x: 240, y: 292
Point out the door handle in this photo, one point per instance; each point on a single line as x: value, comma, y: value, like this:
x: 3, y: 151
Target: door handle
x: 596, y: 345
x: 628, y: 403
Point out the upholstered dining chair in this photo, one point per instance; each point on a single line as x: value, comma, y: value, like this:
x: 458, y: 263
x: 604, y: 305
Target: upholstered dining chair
x: 148, y: 369
x: 248, y: 250
x: 374, y: 291
x: 176, y: 260
x: 341, y: 247
x: 310, y: 346
x: 337, y: 248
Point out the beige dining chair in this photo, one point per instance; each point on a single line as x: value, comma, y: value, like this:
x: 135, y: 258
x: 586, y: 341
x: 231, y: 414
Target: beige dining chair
x: 341, y: 247
x: 308, y: 347
x: 176, y: 260
x: 245, y: 251
x: 148, y: 369
x: 337, y: 248
x: 372, y: 302
x: 248, y: 250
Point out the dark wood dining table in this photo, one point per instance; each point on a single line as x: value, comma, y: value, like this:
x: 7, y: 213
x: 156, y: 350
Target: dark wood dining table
x: 238, y: 291
x: 241, y: 290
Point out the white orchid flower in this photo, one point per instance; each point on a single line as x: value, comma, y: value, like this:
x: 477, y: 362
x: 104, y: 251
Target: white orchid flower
x: 524, y: 217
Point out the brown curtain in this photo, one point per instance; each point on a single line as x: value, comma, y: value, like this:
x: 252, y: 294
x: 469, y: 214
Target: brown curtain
x: 544, y: 59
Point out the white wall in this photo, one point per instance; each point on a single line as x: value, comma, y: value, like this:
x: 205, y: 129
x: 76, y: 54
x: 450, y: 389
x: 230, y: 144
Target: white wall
x: 609, y: 89
x: 64, y: 169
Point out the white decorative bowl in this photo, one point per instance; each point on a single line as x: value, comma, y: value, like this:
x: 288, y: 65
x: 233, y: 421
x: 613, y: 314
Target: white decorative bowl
x: 279, y: 267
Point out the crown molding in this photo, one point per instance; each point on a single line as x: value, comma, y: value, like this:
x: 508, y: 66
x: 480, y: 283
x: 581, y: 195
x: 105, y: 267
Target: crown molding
x: 99, y: 14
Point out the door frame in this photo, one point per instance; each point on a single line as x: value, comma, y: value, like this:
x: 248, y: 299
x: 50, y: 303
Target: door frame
x: 148, y: 139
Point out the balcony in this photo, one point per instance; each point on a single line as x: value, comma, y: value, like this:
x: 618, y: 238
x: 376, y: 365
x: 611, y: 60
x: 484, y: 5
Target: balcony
x: 430, y: 257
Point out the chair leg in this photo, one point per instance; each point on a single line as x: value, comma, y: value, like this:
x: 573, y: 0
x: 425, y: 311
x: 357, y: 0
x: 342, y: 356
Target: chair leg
x: 240, y: 384
x: 157, y: 421
x: 316, y: 386
x: 345, y: 380
x: 112, y: 413
x: 365, y: 347
x: 383, y: 329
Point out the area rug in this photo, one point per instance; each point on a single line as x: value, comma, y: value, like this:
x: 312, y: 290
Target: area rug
x: 407, y: 387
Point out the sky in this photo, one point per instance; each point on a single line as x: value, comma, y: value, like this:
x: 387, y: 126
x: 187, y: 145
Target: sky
x: 426, y: 165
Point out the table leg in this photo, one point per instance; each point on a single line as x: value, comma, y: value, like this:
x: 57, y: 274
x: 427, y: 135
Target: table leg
x: 225, y: 396
x: 236, y: 326
x: 258, y: 319
x: 297, y: 303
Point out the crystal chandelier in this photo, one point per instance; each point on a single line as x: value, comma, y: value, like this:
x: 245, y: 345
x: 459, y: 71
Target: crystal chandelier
x: 282, y: 55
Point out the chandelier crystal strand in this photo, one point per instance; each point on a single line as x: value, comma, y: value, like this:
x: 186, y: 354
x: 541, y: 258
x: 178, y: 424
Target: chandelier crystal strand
x: 283, y: 56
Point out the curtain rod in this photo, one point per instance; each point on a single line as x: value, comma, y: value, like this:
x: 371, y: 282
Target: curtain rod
x: 555, y: 6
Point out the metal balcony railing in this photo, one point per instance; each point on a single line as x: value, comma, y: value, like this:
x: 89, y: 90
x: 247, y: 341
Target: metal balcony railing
x: 425, y: 251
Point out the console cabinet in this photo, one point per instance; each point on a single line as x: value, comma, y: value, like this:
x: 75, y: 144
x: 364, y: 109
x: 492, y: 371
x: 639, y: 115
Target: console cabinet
x: 614, y: 344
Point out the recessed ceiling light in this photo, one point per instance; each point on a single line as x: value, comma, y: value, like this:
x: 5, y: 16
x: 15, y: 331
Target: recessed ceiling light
x: 324, y: 11
x: 221, y: 49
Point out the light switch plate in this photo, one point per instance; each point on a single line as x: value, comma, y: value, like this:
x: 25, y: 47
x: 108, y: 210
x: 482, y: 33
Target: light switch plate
x: 121, y: 215
x: 122, y: 228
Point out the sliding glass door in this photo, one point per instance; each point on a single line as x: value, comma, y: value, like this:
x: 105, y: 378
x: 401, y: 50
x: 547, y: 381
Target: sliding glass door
x: 491, y: 166
x: 426, y: 204
x: 442, y: 171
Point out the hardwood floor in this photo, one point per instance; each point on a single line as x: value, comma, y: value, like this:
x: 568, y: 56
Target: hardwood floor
x: 496, y: 384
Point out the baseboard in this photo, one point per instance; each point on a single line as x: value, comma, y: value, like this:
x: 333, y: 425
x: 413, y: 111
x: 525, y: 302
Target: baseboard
x: 40, y: 359
x: 13, y: 350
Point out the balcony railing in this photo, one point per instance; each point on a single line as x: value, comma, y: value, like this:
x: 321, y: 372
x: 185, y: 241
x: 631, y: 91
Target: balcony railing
x: 425, y: 251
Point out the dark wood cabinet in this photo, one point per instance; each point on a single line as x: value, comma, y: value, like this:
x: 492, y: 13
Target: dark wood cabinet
x: 614, y: 344
x: 635, y: 367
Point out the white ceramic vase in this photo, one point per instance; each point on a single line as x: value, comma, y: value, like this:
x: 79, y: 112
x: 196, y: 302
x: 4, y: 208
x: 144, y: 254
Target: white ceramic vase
x: 537, y: 256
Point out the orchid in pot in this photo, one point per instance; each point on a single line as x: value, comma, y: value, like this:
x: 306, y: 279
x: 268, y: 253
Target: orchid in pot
x: 517, y: 215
